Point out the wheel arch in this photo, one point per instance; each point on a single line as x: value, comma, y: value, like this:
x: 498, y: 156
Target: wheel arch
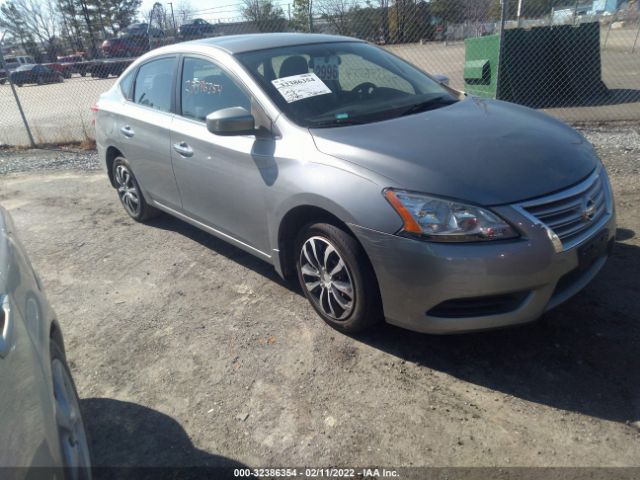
x: 293, y: 221
x: 111, y: 154
x: 55, y: 334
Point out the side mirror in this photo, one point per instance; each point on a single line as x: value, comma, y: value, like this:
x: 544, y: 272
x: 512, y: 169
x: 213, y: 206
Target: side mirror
x: 443, y: 79
x: 231, y: 121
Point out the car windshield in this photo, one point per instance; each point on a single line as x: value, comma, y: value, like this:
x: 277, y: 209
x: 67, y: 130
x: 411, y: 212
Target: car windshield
x: 23, y: 68
x: 343, y: 83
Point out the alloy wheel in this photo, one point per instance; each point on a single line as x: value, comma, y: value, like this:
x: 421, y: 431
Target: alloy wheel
x: 326, y: 278
x: 127, y: 190
x: 73, y: 439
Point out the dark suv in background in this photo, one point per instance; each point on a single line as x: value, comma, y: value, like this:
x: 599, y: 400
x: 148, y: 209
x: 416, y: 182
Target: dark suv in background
x: 196, y: 29
x: 35, y: 73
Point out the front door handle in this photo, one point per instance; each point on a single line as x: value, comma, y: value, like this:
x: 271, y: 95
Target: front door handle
x: 183, y: 149
x: 127, y: 131
x: 6, y: 326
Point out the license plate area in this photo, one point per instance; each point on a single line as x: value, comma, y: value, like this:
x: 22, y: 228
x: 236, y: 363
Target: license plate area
x: 593, y: 249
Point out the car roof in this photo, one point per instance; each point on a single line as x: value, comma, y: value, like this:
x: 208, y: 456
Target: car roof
x: 261, y: 41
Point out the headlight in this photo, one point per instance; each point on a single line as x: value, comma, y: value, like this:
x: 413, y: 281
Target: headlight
x: 441, y: 220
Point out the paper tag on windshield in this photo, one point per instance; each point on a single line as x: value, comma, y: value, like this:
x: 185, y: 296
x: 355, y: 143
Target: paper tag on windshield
x: 326, y: 68
x: 299, y: 87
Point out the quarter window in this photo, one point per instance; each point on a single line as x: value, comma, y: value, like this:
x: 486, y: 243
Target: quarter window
x: 153, y: 84
x: 125, y: 85
x: 207, y: 88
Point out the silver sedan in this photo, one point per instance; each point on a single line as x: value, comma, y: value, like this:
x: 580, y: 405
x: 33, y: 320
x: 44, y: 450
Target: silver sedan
x: 388, y: 194
x: 42, y: 434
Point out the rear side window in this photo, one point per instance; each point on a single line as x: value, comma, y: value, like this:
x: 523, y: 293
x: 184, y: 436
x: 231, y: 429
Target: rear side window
x: 125, y: 85
x: 153, y: 84
x: 207, y: 88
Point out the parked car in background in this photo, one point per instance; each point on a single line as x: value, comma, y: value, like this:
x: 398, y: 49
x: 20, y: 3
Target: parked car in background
x: 62, y: 69
x: 388, y: 194
x: 42, y: 427
x: 76, y: 63
x: 35, y: 73
x: 132, y: 41
x: 107, y: 67
x: 11, y: 63
x: 196, y: 29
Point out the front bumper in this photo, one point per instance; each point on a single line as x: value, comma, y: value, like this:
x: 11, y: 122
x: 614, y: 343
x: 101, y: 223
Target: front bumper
x: 418, y: 279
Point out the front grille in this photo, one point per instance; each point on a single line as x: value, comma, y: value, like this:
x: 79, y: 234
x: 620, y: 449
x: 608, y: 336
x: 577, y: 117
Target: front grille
x: 478, y: 306
x: 572, y: 214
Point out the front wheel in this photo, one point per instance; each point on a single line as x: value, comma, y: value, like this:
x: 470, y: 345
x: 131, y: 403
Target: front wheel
x: 129, y: 192
x: 337, y: 278
x: 74, y: 445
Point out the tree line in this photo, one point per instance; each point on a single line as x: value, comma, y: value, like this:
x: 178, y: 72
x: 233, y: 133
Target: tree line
x: 388, y: 21
x: 47, y: 28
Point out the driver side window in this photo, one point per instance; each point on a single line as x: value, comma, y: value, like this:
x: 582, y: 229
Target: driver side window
x: 207, y: 88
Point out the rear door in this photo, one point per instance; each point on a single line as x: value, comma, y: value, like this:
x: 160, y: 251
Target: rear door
x: 144, y: 127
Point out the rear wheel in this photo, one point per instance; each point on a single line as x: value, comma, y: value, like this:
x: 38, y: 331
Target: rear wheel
x: 74, y: 444
x: 337, y: 278
x: 129, y: 192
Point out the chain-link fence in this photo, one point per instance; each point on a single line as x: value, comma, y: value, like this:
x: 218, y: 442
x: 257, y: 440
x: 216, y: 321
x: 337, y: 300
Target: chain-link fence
x: 579, y: 61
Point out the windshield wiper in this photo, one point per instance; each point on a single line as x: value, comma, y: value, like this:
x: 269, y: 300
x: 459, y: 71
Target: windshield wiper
x: 335, y: 123
x: 428, y: 105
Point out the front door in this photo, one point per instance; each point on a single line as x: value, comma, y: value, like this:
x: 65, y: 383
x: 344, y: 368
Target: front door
x: 223, y: 180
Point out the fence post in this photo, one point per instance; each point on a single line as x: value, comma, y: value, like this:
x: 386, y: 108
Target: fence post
x: 606, y: 37
x: 633, y: 49
x: 503, y: 19
x: 15, y: 95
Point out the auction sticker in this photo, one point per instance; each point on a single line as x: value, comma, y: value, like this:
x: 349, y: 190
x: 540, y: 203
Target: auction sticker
x: 326, y: 67
x: 299, y: 87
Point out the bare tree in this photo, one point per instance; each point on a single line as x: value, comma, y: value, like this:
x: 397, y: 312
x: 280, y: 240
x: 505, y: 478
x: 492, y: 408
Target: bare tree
x: 184, y: 12
x: 336, y: 13
x: 266, y: 16
x: 40, y: 19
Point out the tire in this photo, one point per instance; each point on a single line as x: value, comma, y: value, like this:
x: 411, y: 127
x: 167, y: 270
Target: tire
x: 73, y: 438
x: 346, y: 297
x: 129, y: 192
x: 19, y: 84
x: 83, y: 73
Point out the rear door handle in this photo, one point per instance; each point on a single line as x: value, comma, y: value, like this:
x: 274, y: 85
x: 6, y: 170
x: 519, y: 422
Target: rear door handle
x: 183, y: 149
x: 127, y: 131
x: 6, y: 326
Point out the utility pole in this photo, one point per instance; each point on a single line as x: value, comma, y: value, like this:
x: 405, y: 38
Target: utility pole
x: 310, y: 16
x: 15, y: 94
x: 519, y: 13
x: 173, y: 18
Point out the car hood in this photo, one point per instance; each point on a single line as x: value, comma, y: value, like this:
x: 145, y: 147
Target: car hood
x: 482, y: 151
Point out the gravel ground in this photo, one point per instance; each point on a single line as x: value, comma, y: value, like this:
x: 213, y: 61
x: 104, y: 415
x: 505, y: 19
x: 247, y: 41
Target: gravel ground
x: 188, y: 351
x: 15, y: 161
